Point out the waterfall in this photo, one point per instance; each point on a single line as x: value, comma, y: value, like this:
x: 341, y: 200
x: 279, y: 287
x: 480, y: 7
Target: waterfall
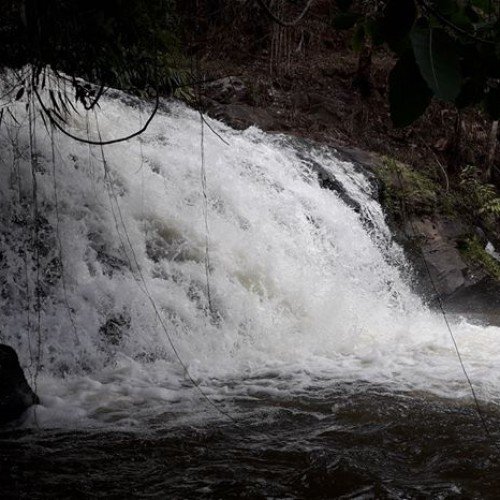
x: 103, y: 268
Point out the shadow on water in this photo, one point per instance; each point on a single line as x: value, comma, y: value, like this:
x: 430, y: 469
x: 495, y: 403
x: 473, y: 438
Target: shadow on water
x: 364, y: 444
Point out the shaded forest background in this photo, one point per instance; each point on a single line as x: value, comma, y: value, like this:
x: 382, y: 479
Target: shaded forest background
x: 355, y: 72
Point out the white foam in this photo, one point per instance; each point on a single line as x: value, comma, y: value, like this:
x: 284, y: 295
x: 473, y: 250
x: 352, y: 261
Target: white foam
x: 299, y: 284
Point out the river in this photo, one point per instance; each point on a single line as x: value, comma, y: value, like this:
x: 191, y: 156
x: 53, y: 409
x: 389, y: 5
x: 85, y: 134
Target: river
x: 223, y: 327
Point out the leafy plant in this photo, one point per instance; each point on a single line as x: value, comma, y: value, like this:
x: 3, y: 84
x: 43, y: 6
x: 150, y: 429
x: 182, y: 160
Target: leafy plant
x: 482, y: 198
x: 473, y: 251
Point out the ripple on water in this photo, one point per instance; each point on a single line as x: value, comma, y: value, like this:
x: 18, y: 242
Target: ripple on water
x: 356, y: 441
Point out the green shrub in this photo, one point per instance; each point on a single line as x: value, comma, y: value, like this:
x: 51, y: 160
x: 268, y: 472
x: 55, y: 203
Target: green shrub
x: 472, y: 250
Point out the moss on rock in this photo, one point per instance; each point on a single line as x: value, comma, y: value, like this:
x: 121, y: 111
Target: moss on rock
x: 474, y: 254
x: 414, y: 194
x: 407, y: 191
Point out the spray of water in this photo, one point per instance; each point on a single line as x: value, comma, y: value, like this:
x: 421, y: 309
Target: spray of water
x: 305, y: 290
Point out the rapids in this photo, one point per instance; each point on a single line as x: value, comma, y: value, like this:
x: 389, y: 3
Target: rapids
x: 105, y: 256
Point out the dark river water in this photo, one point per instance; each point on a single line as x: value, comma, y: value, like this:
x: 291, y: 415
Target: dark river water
x: 352, y: 441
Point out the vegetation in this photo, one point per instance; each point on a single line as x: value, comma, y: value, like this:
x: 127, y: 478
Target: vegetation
x: 421, y: 193
x: 417, y: 193
x: 447, y: 49
x: 473, y: 251
x: 481, y: 198
x: 408, y: 191
x: 132, y: 45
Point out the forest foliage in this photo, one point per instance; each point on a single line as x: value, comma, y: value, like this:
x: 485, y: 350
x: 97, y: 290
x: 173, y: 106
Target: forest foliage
x: 445, y: 49
x: 132, y: 45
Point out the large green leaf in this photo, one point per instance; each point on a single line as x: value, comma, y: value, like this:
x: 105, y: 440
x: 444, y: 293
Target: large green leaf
x: 409, y: 95
x: 436, y: 56
x: 374, y: 29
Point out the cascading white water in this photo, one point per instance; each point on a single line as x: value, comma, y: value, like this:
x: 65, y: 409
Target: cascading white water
x: 302, y: 290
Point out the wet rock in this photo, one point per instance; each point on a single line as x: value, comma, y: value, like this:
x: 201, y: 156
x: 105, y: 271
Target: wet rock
x: 230, y: 101
x: 229, y: 90
x: 478, y: 302
x: 116, y: 325
x: 241, y: 116
x: 319, y: 107
x: 437, y: 239
x: 16, y: 395
x: 452, y: 229
x: 364, y: 159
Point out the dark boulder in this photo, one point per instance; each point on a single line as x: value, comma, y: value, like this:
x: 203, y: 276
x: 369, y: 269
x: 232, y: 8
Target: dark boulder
x: 437, y: 238
x: 16, y: 395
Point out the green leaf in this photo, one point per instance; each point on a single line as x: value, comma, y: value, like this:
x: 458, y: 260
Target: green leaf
x: 409, y: 95
x: 465, y: 18
x: 437, y: 58
x: 484, y: 5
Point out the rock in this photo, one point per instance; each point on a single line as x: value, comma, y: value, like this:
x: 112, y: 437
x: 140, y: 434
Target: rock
x: 452, y: 229
x: 366, y: 160
x: 229, y: 90
x: 242, y: 116
x: 320, y: 108
x: 16, y: 395
x: 115, y: 326
x: 437, y: 239
x: 481, y: 301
